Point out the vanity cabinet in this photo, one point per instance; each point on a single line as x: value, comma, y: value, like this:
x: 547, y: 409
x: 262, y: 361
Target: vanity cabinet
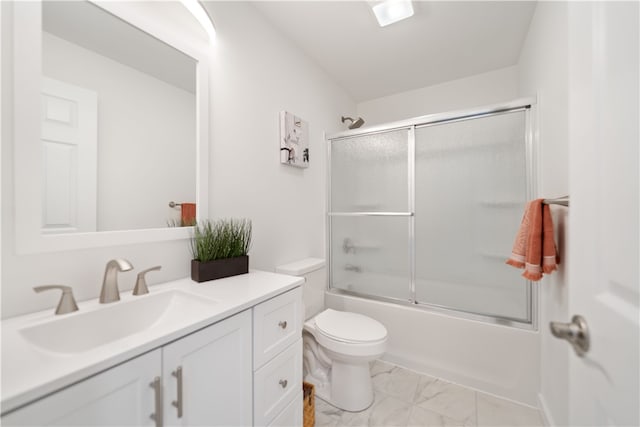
x: 216, y: 386
x: 207, y: 376
x: 120, y: 396
x: 277, y: 360
x: 242, y: 370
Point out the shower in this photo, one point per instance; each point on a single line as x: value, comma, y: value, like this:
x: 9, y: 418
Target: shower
x: 354, y: 123
x: 423, y: 212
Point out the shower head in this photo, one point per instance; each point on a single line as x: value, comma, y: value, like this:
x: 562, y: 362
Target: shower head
x: 354, y: 123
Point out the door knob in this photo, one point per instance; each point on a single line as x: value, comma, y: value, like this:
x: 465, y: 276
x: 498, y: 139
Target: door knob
x: 576, y: 332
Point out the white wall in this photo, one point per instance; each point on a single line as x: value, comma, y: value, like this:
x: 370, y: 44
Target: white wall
x: 255, y: 73
x: 481, y: 89
x: 146, y: 135
x: 543, y: 70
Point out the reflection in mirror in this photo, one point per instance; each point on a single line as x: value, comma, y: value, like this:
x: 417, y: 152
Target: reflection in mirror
x: 118, y: 124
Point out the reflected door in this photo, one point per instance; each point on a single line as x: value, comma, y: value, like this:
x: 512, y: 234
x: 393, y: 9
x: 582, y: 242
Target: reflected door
x: 69, y: 149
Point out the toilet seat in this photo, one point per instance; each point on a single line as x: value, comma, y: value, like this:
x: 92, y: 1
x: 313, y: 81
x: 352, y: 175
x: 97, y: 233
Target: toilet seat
x: 349, y: 327
x: 338, y: 337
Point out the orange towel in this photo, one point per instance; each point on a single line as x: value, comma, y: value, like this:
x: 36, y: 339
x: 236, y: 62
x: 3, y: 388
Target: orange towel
x: 534, y: 248
x: 188, y: 214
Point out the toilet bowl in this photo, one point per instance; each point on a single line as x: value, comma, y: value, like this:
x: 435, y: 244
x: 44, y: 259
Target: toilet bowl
x: 338, y: 345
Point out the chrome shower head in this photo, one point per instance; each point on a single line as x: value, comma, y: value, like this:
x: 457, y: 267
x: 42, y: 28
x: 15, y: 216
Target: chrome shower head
x: 354, y: 123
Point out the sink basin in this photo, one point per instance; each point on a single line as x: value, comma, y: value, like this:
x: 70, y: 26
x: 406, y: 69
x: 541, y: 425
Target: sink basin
x: 85, y: 330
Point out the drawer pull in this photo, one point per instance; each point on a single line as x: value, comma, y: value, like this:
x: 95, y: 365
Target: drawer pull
x: 283, y: 324
x: 283, y: 383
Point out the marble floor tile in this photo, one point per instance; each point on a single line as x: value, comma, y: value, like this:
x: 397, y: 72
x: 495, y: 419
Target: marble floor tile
x: 420, y: 417
x: 385, y: 411
x: 394, y: 381
x: 404, y: 398
x: 493, y: 411
x: 451, y: 400
x: 326, y: 415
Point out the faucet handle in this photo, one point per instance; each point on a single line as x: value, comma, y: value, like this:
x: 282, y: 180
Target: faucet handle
x: 141, y: 283
x: 67, y: 303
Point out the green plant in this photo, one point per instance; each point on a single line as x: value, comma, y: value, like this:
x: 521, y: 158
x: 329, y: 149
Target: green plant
x: 225, y: 238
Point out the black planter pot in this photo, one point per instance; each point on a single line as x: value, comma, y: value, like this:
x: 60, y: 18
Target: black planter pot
x: 211, y: 270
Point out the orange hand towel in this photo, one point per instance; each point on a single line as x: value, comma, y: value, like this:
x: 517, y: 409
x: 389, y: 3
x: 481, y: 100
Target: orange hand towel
x: 188, y: 214
x: 534, y: 248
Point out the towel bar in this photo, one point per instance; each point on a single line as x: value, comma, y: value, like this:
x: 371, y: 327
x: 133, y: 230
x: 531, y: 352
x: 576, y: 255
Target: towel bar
x: 562, y: 201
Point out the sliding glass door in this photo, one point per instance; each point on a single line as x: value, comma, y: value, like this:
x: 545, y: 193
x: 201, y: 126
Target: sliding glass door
x: 426, y: 214
x: 471, y: 187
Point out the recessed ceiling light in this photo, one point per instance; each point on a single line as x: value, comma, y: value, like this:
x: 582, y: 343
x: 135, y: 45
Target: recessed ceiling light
x: 391, y: 11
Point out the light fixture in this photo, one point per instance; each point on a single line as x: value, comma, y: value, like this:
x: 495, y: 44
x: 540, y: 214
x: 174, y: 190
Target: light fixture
x: 199, y: 12
x: 391, y: 11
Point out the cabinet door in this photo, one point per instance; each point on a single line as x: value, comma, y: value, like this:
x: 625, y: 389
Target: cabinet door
x: 120, y: 396
x: 215, y: 375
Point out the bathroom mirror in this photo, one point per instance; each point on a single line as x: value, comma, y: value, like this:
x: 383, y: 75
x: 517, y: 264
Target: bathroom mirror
x: 115, y: 107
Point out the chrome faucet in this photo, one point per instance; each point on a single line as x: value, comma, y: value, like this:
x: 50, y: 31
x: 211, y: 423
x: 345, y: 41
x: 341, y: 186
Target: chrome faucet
x: 354, y: 268
x: 110, y: 292
x: 348, y: 246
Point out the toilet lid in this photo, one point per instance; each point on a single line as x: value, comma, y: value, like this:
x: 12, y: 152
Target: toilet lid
x: 352, y: 327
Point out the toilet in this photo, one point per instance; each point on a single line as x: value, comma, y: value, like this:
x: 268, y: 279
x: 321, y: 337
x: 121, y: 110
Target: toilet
x: 338, y: 345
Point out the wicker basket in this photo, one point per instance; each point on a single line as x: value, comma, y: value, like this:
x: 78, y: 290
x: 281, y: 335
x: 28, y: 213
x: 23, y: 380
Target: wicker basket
x: 309, y: 404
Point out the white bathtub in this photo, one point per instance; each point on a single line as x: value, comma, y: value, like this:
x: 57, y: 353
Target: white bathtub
x: 501, y: 360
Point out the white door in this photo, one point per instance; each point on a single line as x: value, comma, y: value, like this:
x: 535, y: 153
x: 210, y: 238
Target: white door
x: 604, y: 218
x: 121, y: 396
x: 208, y: 376
x: 69, y: 149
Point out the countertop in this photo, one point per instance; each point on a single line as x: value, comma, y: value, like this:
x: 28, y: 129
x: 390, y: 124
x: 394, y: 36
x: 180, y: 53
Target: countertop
x: 30, y: 372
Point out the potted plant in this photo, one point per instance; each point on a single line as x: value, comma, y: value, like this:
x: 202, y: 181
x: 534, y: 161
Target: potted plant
x: 220, y: 248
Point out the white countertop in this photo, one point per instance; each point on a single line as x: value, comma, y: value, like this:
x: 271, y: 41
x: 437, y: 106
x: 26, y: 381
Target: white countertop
x: 29, y: 372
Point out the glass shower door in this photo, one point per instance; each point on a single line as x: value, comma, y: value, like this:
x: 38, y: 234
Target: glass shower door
x: 369, y: 216
x: 471, y: 187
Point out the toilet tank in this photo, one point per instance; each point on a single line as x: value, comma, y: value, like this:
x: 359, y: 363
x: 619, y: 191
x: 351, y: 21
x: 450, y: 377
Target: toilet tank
x: 314, y: 272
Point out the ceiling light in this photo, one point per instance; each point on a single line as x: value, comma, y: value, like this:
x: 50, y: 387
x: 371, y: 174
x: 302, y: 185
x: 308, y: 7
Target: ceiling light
x: 391, y: 11
x: 199, y: 12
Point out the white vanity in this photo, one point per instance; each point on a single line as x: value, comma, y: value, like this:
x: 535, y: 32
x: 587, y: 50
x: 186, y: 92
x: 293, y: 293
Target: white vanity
x: 226, y: 352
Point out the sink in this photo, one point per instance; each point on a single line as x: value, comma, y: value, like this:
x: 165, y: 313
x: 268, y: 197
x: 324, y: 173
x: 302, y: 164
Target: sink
x: 81, y: 331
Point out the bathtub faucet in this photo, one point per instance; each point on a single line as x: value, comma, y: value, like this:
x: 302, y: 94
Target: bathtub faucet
x: 354, y: 268
x: 348, y: 246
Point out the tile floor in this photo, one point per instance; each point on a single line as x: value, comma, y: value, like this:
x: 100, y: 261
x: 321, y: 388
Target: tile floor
x: 405, y: 398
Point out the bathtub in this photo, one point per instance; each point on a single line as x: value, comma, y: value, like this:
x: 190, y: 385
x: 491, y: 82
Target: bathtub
x: 492, y: 358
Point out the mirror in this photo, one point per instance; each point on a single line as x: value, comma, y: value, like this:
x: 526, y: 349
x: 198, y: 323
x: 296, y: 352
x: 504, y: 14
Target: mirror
x: 112, y: 104
x: 118, y: 123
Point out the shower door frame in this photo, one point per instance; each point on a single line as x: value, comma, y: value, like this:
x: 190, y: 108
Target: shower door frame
x: 528, y: 105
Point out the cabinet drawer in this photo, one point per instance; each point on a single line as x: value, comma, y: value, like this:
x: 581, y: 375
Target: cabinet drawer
x: 277, y: 323
x: 277, y: 383
x: 290, y: 416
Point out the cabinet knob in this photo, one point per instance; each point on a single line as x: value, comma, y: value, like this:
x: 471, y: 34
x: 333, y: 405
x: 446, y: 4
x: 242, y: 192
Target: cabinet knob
x: 283, y: 324
x: 283, y: 383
